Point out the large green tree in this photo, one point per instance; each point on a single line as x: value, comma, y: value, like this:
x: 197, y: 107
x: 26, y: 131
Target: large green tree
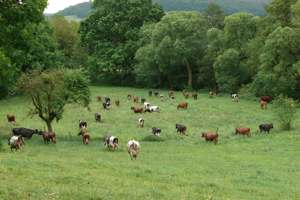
x: 110, y: 35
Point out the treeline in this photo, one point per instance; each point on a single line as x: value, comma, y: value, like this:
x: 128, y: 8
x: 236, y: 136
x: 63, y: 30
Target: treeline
x: 135, y: 43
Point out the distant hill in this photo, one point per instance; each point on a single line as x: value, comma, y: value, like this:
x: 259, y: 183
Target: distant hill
x: 229, y: 6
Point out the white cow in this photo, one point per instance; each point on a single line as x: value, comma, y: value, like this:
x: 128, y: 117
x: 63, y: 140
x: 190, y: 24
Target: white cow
x: 133, y: 148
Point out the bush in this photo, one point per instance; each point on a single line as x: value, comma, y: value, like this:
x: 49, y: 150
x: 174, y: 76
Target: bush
x: 285, y: 111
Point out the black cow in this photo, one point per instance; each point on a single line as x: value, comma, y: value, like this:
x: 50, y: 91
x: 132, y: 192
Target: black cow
x: 25, y: 132
x: 106, y: 105
x: 265, y: 127
x: 82, y: 124
x: 156, y: 131
x: 181, y: 129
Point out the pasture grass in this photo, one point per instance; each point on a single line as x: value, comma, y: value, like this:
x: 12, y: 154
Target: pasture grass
x: 265, y: 167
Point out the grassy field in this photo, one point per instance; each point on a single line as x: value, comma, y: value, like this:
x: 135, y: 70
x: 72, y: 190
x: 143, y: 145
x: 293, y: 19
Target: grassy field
x: 265, y: 167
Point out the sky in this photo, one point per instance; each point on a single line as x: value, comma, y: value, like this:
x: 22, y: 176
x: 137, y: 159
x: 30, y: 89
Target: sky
x: 57, y: 5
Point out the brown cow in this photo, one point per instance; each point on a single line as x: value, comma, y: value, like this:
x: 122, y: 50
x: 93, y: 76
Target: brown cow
x: 49, y: 136
x: 183, y: 105
x: 11, y: 118
x: 263, y: 104
x: 267, y: 99
x: 243, y: 131
x: 137, y: 110
x: 211, y: 136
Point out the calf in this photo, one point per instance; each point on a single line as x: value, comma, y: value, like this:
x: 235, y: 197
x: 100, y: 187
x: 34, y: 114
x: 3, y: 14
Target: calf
x: 97, y: 117
x: 141, y: 122
x: 181, y: 129
x: 137, y: 110
x: 133, y: 148
x: 267, y: 99
x: 11, y: 119
x: 183, y: 105
x: 263, y: 105
x: 265, y: 127
x: 211, y: 136
x: 195, y: 96
x: 85, y: 136
x: 111, y: 142
x: 49, y: 137
x: 156, y: 131
x: 243, y: 131
x: 117, y: 102
x: 16, y: 142
x: 25, y: 132
x: 82, y: 124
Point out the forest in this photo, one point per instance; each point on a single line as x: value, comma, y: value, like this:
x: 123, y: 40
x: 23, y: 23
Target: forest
x: 128, y: 43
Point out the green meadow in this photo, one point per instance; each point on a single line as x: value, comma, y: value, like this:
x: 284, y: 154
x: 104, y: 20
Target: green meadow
x: 260, y: 167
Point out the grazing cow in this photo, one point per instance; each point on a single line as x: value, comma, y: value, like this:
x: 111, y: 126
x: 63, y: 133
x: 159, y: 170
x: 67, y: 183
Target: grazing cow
x: 171, y: 94
x: 211, y: 136
x: 183, y: 105
x: 263, y: 105
x: 25, y: 132
x: 265, y: 127
x: 85, y: 136
x: 99, y: 98
x: 267, y: 99
x: 111, y: 142
x: 16, y: 142
x: 181, y: 129
x: 137, y: 110
x: 212, y: 94
x: 133, y: 148
x: 156, y: 131
x: 156, y: 94
x: 150, y: 93
x: 98, y: 117
x: 11, y: 119
x: 107, y: 100
x: 141, y: 122
x: 49, y: 136
x: 235, y: 97
x: 243, y: 131
x: 117, y: 102
x: 195, y: 96
x: 143, y: 100
x: 129, y: 97
x: 82, y: 124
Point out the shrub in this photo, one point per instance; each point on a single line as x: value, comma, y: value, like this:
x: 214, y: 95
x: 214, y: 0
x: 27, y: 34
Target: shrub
x: 285, y: 111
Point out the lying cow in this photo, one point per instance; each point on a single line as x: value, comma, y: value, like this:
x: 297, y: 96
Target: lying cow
x: 11, y: 118
x: 25, y: 132
x: 111, y: 142
x: 141, y: 122
x: 243, y: 131
x: 181, y: 129
x: 156, y: 131
x: 211, y: 136
x: 154, y: 109
x: 183, y: 105
x: 49, y: 137
x: 265, y: 127
x: 97, y: 117
x: 16, y: 142
x: 133, y: 148
x: 137, y: 110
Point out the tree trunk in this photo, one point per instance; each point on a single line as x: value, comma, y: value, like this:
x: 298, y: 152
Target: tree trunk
x: 190, y: 74
x: 49, y: 126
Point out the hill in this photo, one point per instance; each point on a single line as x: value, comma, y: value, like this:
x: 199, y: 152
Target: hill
x: 229, y: 6
x: 263, y: 166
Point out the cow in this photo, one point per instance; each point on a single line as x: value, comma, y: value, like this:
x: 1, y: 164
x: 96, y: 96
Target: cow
x: 171, y: 94
x: 156, y: 131
x: 85, y: 136
x: 25, y: 132
x: 154, y: 109
x: 243, y: 131
x: 195, y: 96
x: 141, y: 122
x: 97, y: 117
x: 117, y: 102
x: 137, y: 110
x: 235, y: 97
x: 212, y: 94
x: 133, y: 148
x: 263, y: 105
x: 265, y: 127
x: 111, y: 142
x: 267, y: 99
x: 150, y: 93
x: 49, y: 137
x: 181, y: 129
x: 183, y: 105
x: 106, y: 105
x: 82, y: 124
x: 11, y: 119
x: 146, y: 105
x: 211, y: 136
x: 99, y: 98
x: 135, y: 99
x: 16, y: 142
x: 107, y: 100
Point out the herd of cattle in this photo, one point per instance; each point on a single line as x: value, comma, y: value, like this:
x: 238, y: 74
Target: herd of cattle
x: 16, y: 141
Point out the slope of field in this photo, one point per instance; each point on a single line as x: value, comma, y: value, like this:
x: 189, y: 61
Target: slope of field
x: 260, y: 167
x: 229, y: 6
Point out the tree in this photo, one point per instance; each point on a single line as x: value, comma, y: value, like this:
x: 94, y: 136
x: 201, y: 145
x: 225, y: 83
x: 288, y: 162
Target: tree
x: 7, y: 72
x: 51, y: 90
x: 214, y: 16
x: 281, y: 11
x: 110, y: 36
